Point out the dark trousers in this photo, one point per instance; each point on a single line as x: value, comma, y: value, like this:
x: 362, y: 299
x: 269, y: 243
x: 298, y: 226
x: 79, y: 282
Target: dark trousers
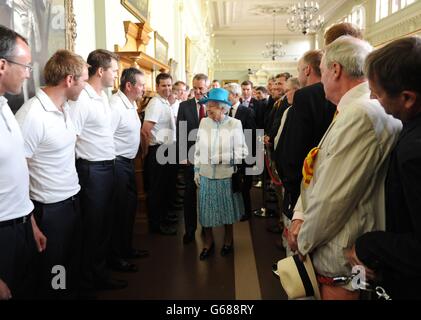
x: 17, y: 257
x: 248, y: 181
x: 125, y: 204
x: 156, y: 186
x: 172, y: 185
x: 60, y: 223
x: 190, y: 200
x: 96, y: 195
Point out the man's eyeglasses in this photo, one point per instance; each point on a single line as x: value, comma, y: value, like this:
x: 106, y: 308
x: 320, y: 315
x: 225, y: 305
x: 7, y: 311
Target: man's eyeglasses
x: 26, y: 66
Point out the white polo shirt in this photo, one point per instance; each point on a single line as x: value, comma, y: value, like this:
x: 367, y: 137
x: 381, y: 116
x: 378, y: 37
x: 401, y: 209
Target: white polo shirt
x: 50, y: 140
x: 159, y: 112
x: 91, y: 116
x: 14, y: 176
x: 126, y: 125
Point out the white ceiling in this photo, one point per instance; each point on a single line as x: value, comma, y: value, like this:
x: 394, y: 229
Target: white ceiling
x: 250, y: 17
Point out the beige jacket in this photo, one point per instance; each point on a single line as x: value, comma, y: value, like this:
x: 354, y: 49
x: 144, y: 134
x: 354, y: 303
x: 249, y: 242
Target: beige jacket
x: 345, y: 197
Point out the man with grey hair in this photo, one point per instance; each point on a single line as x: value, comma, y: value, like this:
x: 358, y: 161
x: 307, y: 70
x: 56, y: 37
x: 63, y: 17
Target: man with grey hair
x: 343, y: 178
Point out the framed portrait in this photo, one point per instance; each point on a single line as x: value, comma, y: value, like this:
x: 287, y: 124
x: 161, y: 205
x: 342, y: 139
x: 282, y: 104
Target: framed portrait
x: 139, y: 8
x: 48, y: 25
x: 173, y: 69
x: 224, y: 82
x: 161, y: 48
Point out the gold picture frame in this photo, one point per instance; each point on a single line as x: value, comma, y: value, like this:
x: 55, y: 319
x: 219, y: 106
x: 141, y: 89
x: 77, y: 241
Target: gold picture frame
x: 48, y: 25
x: 187, y: 53
x: 138, y: 8
x: 224, y: 82
x: 161, y: 48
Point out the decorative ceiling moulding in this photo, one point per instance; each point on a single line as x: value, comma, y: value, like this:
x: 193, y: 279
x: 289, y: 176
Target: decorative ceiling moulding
x: 405, y: 28
x: 401, y: 23
x: 268, y: 10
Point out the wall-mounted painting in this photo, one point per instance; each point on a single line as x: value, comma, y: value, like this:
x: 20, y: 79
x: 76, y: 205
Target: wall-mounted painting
x: 161, y: 49
x: 48, y: 25
x: 139, y: 8
x: 173, y: 69
x: 224, y: 82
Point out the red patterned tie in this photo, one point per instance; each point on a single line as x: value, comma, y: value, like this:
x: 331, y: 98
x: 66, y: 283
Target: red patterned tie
x: 201, y: 112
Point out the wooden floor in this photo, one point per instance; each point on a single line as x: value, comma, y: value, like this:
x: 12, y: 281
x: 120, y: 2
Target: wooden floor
x: 173, y: 270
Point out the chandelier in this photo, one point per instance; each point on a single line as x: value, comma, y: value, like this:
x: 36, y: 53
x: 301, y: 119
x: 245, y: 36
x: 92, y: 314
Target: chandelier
x: 303, y: 17
x: 273, y: 48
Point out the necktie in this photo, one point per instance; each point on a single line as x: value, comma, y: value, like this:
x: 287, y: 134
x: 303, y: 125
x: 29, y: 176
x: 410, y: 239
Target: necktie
x: 230, y: 113
x: 201, y: 112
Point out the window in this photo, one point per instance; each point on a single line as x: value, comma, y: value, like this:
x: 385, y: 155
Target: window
x: 357, y: 17
x: 386, y: 7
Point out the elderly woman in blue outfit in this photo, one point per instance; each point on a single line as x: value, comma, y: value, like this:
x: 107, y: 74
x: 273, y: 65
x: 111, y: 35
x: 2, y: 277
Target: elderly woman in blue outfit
x: 220, y: 145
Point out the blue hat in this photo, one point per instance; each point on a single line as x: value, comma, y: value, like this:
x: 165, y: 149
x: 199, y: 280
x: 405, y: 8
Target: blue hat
x: 217, y: 94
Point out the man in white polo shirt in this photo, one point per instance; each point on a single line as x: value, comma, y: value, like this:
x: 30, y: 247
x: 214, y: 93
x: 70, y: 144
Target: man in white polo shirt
x: 126, y: 124
x: 95, y: 153
x: 50, y: 140
x: 158, y: 129
x: 17, y: 246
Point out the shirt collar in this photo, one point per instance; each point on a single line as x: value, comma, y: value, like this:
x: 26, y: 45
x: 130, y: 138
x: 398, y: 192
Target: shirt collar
x: 355, y: 93
x: 163, y: 100
x: 126, y: 100
x: 3, y: 102
x: 46, y: 101
x: 235, y: 106
x: 91, y: 92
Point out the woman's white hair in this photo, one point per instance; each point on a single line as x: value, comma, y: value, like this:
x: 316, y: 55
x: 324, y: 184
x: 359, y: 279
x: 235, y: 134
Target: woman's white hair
x: 350, y: 53
x: 233, y: 88
x: 222, y: 105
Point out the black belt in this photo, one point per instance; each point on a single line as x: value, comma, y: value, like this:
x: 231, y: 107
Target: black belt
x: 124, y: 159
x: 16, y: 221
x: 71, y: 199
x: 101, y: 163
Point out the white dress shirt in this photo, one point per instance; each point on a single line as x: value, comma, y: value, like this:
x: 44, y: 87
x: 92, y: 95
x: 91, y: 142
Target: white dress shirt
x: 234, y: 109
x: 174, y: 109
x: 159, y: 112
x: 345, y: 197
x: 281, y: 127
x: 126, y: 126
x: 91, y: 115
x: 14, y: 176
x: 50, y: 140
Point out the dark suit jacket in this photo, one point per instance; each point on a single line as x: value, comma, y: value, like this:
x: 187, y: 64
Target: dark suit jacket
x: 247, y: 117
x: 397, y: 251
x: 260, y: 107
x: 276, y: 116
x: 187, y: 113
x: 269, y: 106
x: 307, y: 121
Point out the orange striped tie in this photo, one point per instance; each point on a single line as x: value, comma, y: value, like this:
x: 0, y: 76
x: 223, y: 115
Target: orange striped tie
x: 308, y: 167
